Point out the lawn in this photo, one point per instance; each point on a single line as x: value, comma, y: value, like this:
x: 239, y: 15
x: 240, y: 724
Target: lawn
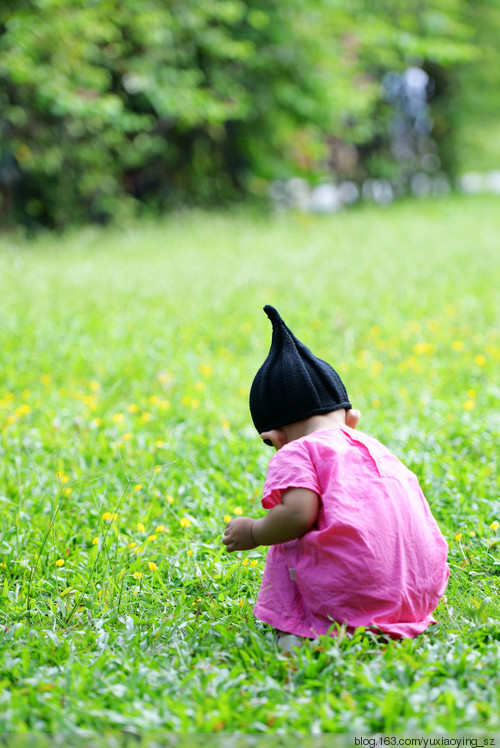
x: 126, y: 442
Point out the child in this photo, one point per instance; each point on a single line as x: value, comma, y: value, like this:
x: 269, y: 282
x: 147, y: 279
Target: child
x: 352, y: 538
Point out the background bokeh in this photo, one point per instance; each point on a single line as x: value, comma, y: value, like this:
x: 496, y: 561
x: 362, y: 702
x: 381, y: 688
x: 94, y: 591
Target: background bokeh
x: 112, y: 109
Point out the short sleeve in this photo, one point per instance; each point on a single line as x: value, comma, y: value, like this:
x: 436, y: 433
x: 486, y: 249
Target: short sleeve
x: 290, y: 467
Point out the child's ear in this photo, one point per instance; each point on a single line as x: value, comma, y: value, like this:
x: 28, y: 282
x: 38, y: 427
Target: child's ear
x: 352, y: 418
x: 276, y: 437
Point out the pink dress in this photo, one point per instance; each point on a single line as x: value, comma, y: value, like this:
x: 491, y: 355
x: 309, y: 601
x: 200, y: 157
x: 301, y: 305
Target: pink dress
x: 375, y: 556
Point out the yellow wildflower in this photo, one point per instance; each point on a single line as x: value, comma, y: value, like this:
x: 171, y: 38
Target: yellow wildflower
x: 152, y: 537
x: 480, y: 360
x: 245, y: 562
x: 238, y: 510
x: 90, y: 401
x: 411, y: 363
x: 132, y: 545
x: 152, y: 566
x: 227, y: 518
x: 137, y: 574
x: 458, y: 345
x: 157, y: 469
x: 165, y: 378
x: 206, y: 370
x: 146, y: 416
x: 137, y: 486
x: 118, y: 418
x: 127, y: 437
x: 185, y: 522
x: 459, y: 536
x: 160, y: 528
x: 95, y: 541
x: 60, y: 562
x: 95, y: 386
x: 253, y: 562
x: 469, y: 405
x: 107, y: 515
x: 423, y: 348
x: 494, y: 525
x: 170, y: 499
x: 133, y: 408
x: 141, y: 527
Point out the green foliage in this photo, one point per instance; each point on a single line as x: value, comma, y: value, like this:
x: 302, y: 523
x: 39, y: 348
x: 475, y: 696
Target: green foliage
x: 125, y: 439
x: 113, y: 99
x: 109, y: 105
x: 476, y: 130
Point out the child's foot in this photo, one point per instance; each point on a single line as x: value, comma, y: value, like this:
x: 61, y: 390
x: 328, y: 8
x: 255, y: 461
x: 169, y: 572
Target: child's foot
x: 287, y: 642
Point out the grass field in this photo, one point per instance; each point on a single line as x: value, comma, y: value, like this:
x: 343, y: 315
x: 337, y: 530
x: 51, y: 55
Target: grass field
x: 125, y: 442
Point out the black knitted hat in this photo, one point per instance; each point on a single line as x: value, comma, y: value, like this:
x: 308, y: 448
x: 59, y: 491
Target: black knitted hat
x: 292, y: 384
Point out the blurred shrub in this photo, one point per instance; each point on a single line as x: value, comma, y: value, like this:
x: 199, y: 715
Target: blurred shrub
x: 477, y: 131
x: 110, y: 105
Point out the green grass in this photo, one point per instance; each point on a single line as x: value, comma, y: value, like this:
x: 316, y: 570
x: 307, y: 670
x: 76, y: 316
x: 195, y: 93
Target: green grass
x: 125, y: 439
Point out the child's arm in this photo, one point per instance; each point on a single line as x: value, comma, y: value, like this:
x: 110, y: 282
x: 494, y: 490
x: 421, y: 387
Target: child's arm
x: 296, y: 514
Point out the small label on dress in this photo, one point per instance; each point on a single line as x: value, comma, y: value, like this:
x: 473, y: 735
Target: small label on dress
x: 292, y: 573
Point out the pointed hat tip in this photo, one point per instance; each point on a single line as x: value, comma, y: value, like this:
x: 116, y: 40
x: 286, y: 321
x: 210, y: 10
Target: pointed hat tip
x: 273, y: 314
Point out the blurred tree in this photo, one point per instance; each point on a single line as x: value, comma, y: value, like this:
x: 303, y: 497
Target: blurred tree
x: 373, y: 40
x: 112, y: 104
x: 476, y: 132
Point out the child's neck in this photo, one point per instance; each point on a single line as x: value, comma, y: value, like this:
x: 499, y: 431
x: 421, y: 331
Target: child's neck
x: 332, y: 420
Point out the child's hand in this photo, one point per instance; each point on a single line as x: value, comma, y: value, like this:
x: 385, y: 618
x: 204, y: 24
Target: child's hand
x: 238, y: 535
